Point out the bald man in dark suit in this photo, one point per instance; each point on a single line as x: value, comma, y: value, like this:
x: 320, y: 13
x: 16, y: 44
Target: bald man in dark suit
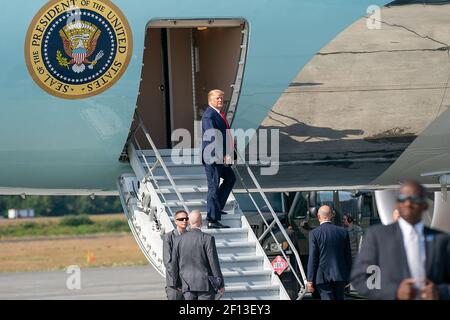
x: 330, y: 258
x: 196, y: 263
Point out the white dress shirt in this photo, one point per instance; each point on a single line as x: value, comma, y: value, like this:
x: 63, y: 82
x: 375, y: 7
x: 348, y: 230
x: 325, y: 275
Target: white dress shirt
x: 414, y: 243
x: 217, y: 110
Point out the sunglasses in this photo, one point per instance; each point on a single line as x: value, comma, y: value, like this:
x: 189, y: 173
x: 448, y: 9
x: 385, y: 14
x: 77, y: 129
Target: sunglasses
x: 182, y: 219
x: 414, y: 199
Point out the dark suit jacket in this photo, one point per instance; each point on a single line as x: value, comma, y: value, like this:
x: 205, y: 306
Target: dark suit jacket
x: 169, y: 239
x: 211, y: 119
x: 330, y: 257
x: 383, y: 246
x: 195, y: 259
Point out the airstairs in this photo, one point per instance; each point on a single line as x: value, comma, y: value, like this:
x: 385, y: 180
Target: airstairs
x: 162, y: 183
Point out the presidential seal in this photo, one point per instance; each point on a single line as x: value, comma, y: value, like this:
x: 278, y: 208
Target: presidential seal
x: 78, y: 48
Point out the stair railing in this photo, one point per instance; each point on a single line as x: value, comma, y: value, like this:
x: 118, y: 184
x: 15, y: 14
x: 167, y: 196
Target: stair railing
x: 159, y: 161
x: 276, y: 221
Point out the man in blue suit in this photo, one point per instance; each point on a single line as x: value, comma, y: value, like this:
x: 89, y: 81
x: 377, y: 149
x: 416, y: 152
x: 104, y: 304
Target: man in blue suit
x: 217, y: 151
x: 330, y: 258
x: 404, y: 260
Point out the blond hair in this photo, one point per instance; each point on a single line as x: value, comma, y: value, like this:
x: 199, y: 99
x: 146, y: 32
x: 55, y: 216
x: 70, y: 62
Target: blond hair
x: 215, y: 92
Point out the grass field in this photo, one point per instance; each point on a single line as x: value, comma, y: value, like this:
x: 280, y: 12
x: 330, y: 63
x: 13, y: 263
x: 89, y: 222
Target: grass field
x: 68, y: 225
x: 22, y: 250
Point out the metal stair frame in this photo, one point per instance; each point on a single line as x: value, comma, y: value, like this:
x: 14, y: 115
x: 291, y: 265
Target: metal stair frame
x: 144, y: 207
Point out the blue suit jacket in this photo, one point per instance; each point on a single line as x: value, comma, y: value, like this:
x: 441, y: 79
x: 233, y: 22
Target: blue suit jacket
x: 330, y: 257
x: 215, y: 152
x: 382, y: 246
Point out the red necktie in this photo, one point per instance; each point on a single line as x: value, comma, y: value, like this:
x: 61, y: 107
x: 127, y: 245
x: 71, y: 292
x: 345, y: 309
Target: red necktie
x: 222, y: 114
x: 230, y: 137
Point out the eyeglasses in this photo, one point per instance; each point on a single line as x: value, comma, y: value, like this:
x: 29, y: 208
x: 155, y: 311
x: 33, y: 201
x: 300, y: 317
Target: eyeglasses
x: 183, y: 219
x: 414, y: 199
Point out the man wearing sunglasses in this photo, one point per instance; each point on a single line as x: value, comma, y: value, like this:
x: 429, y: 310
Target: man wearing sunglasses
x: 196, y: 263
x: 404, y: 260
x: 181, y: 222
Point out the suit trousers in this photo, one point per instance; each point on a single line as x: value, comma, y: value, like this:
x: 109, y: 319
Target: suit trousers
x: 218, y: 195
x: 331, y: 290
x: 173, y: 294
x: 199, y: 295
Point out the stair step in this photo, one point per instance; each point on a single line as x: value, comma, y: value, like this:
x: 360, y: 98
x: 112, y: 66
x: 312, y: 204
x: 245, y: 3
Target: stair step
x: 225, y: 217
x: 181, y: 177
x: 234, y: 249
x: 168, y: 161
x: 176, y: 170
x: 200, y: 207
x: 184, y: 189
x: 166, y: 154
x: 225, y: 232
x: 228, y: 235
x: 254, y: 292
x: 247, y: 278
x: 241, y: 263
x: 187, y: 196
x: 185, y: 181
x: 229, y: 216
x: 227, y: 274
x: 198, y: 204
x: 231, y: 220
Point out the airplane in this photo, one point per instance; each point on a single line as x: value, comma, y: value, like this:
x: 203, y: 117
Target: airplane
x: 60, y: 137
x: 55, y: 142
x: 80, y: 77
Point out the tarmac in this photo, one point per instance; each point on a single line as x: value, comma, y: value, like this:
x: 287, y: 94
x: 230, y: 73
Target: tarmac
x: 113, y: 283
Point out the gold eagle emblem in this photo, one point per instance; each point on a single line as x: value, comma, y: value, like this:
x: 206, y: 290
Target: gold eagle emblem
x: 79, y: 41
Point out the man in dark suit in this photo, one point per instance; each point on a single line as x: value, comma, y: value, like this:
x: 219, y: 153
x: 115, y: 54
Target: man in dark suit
x: 330, y: 258
x: 217, y: 151
x: 404, y: 260
x: 196, y: 262
x: 181, y: 222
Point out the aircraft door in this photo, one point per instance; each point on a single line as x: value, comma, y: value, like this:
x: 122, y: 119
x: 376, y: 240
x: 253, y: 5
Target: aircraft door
x: 151, y: 99
x: 182, y: 61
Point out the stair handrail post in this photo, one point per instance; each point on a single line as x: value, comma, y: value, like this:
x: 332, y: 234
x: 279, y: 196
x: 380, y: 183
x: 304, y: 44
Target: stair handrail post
x: 302, y: 291
x: 150, y: 168
x: 279, y: 224
x: 161, y: 162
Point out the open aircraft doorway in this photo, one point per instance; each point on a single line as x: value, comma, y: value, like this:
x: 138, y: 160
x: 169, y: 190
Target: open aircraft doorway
x: 182, y: 61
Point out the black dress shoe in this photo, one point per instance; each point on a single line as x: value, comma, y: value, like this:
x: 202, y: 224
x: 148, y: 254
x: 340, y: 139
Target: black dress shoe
x: 223, y: 212
x: 216, y: 225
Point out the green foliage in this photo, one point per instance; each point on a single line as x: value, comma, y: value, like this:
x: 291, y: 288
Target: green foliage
x: 29, y: 225
x: 61, y: 205
x: 118, y: 225
x: 75, y: 221
x: 72, y: 225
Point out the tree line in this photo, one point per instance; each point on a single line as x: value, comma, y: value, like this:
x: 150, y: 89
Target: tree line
x: 61, y: 205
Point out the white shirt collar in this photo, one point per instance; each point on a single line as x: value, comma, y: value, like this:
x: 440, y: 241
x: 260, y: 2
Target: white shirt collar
x: 325, y: 222
x: 217, y: 110
x: 406, y: 227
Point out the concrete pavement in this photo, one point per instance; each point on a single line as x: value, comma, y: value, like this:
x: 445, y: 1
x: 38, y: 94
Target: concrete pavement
x: 115, y: 283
